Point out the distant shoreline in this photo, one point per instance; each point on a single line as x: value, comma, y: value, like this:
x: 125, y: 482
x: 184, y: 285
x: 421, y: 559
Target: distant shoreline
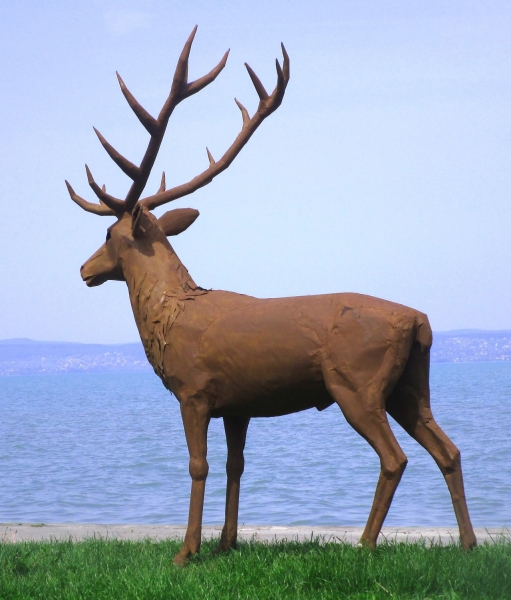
x: 23, y: 356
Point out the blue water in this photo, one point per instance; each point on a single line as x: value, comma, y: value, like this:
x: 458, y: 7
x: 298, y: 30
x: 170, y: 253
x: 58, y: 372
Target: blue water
x: 111, y: 449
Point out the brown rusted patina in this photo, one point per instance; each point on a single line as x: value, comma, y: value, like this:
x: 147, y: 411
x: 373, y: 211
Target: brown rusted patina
x: 234, y: 356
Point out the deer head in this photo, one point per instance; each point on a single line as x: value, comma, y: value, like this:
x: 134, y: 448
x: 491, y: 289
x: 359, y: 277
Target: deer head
x: 136, y: 227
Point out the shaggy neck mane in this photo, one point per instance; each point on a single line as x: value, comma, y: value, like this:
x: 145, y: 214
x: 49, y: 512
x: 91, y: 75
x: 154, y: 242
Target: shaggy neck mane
x: 158, y: 284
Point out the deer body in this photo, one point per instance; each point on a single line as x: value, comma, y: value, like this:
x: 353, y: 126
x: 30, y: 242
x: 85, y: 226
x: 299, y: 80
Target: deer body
x: 271, y: 357
x: 231, y: 356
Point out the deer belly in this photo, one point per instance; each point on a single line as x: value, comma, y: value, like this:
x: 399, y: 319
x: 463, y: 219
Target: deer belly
x: 263, y: 363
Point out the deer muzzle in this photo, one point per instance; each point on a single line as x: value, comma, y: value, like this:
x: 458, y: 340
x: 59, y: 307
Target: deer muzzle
x: 97, y: 269
x: 91, y: 279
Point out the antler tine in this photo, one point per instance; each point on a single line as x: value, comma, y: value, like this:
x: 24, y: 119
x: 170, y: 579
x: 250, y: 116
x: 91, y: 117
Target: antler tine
x: 283, y: 75
x: 286, y: 69
x: 261, y: 92
x: 143, y: 116
x: 244, y: 112
x: 179, y: 81
x: 202, y: 82
x: 97, y: 209
x: 181, y: 72
x: 123, y: 163
x: 267, y: 105
x: 114, y: 203
x: 163, y: 186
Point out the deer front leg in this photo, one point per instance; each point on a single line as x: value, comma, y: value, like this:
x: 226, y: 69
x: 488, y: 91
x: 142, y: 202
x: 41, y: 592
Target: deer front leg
x: 196, y: 416
x: 235, y: 433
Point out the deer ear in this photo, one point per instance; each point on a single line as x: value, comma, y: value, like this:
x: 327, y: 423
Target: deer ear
x: 177, y: 220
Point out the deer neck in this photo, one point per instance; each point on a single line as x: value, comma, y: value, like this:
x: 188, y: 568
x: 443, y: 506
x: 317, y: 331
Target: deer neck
x: 158, y: 285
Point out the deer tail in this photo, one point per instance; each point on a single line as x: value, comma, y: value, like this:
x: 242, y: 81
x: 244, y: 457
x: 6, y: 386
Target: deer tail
x: 424, y: 334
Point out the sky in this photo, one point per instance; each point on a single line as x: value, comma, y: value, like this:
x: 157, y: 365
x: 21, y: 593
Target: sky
x: 386, y: 171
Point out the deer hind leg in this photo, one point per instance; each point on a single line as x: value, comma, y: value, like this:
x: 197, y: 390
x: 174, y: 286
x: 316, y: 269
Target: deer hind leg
x: 195, y: 415
x: 409, y: 405
x: 366, y: 414
x: 235, y: 433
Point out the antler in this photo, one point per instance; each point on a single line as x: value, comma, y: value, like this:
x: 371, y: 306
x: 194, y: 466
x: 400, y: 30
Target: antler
x: 181, y: 89
x: 267, y: 105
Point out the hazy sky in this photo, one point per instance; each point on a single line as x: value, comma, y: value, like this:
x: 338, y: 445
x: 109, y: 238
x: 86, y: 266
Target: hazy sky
x: 386, y: 171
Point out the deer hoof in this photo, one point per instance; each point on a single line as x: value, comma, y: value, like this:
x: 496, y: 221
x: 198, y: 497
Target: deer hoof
x: 181, y: 559
x: 469, y: 544
x: 364, y: 543
x: 224, y: 547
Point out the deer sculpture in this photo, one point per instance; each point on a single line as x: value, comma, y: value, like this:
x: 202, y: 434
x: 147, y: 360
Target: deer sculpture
x: 236, y: 357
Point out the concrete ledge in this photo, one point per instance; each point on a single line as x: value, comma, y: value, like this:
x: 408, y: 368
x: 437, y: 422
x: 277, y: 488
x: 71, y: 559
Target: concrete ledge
x: 21, y: 532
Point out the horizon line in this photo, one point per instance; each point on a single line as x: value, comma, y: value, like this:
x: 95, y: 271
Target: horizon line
x: 28, y: 341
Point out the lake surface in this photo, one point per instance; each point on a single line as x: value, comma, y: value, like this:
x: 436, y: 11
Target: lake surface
x: 111, y: 449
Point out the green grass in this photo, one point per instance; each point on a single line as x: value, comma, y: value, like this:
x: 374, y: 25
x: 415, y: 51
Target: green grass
x: 120, y: 569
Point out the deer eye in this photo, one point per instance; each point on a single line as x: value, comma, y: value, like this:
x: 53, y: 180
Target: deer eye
x: 108, y: 235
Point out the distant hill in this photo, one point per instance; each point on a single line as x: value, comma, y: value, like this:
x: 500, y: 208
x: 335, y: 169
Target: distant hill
x: 22, y: 356
x: 471, y: 345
